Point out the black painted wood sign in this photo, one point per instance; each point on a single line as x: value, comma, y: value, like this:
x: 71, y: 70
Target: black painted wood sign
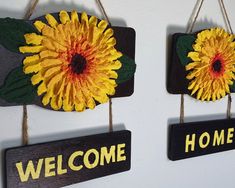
x: 66, y: 162
x: 200, y: 138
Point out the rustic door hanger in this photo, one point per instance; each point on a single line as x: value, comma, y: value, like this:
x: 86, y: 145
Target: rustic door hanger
x: 66, y: 61
x: 202, y: 66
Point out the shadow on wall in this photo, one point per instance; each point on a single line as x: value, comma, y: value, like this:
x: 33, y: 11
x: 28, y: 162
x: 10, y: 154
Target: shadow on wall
x: 53, y: 7
x: 48, y: 138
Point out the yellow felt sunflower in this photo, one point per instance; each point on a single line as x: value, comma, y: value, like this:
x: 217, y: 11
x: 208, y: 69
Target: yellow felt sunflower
x: 212, y: 70
x: 74, y: 62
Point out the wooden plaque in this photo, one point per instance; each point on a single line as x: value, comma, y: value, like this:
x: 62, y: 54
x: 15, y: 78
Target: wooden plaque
x: 61, y: 163
x: 200, y: 138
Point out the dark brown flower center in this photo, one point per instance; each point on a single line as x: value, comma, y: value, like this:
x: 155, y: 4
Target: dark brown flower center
x: 78, y: 63
x: 217, y: 66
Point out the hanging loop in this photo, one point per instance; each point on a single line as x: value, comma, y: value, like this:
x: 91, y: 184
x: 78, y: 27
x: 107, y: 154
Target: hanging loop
x: 25, y: 135
x: 226, y: 18
x: 103, y: 11
x: 190, y: 27
x: 31, y: 9
x: 110, y: 100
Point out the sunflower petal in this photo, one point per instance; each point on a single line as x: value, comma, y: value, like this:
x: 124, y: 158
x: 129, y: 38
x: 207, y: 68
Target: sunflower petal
x: 51, y: 62
x: 74, y: 16
x: 199, y: 93
x: 31, y: 49
x: 48, y: 53
x: 67, y: 105
x: 47, y: 97
x: 84, y: 20
x: 194, y: 56
x: 79, y: 101
x: 31, y: 59
x: 33, y: 38
x: 32, y: 68
x: 42, y: 89
x: 195, y: 89
x: 93, y: 21
x: 52, y: 71
x: 55, y: 79
x: 102, y: 25
x: 64, y: 17
x: 39, y: 25
x: 191, y: 85
x: 51, y: 20
x: 37, y: 78
x: 191, y: 65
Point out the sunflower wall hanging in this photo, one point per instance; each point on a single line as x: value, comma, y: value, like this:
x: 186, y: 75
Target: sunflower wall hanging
x: 66, y: 61
x: 202, y: 65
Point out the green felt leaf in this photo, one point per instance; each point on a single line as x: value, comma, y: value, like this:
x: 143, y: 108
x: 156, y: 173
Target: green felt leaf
x: 18, y: 88
x: 12, y: 33
x: 232, y: 87
x: 127, y: 71
x: 183, y: 47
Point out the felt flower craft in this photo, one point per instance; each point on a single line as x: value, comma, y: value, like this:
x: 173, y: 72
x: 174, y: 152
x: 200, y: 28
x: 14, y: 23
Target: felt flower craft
x: 212, y: 66
x: 65, y: 61
x: 73, y: 62
x: 203, y: 64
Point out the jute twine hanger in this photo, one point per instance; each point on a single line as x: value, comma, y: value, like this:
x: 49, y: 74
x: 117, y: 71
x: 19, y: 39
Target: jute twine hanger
x: 110, y: 100
x: 191, y: 25
x: 25, y: 135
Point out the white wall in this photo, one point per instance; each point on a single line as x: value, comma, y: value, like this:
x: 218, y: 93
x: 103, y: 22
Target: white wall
x: 147, y: 112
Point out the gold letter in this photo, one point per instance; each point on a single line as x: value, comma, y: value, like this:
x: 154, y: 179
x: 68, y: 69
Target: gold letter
x: 230, y: 136
x: 71, y: 161
x: 30, y: 170
x: 87, y: 162
x: 107, y: 155
x: 60, y: 169
x: 218, y: 139
x: 189, y: 142
x: 49, y: 166
x: 121, y: 152
x: 201, y: 144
